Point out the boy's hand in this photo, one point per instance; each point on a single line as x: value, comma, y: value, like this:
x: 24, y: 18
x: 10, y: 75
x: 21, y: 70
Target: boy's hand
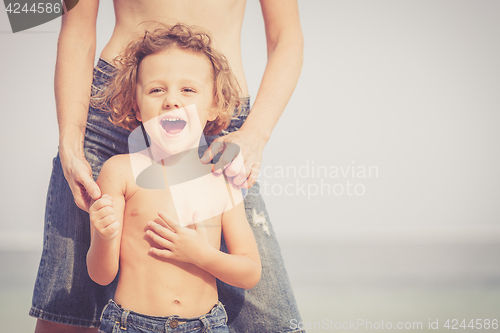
x: 187, y: 244
x: 103, y: 219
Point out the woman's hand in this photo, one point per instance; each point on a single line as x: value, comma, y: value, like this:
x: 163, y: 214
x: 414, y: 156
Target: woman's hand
x: 188, y: 244
x: 78, y: 173
x: 241, y: 158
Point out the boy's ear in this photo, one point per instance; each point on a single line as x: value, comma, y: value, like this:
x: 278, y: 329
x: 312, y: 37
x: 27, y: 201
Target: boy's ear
x: 212, y: 115
x: 137, y: 112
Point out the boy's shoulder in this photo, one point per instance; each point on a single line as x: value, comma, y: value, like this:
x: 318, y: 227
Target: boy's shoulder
x: 117, y: 166
x: 128, y: 165
x: 117, y: 161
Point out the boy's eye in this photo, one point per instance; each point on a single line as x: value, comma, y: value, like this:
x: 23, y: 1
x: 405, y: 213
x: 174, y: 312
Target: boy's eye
x: 155, y: 90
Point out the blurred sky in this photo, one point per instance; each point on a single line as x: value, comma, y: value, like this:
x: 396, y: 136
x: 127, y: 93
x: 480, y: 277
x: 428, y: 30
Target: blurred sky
x: 406, y: 89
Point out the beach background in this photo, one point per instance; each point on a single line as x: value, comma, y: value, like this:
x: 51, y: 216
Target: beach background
x: 381, y: 177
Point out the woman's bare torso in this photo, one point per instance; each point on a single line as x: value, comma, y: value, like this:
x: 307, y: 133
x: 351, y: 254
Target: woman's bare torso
x: 221, y: 18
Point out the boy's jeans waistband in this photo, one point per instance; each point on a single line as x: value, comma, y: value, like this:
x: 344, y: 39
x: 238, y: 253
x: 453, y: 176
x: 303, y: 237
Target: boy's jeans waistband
x: 125, y: 318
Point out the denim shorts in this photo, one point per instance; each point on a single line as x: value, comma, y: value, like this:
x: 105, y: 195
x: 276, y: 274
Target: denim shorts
x: 115, y: 319
x: 64, y: 292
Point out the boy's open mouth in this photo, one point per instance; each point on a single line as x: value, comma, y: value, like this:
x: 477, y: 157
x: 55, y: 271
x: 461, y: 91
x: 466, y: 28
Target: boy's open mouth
x: 173, y: 126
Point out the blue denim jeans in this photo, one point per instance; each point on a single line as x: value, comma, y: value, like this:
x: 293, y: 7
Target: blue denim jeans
x: 64, y: 293
x: 115, y: 319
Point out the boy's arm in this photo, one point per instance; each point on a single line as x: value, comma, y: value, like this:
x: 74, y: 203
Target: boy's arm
x: 106, y: 217
x: 240, y: 268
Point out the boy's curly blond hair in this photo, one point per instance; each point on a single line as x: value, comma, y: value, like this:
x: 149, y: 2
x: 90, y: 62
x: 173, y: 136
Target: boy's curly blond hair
x: 118, y: 97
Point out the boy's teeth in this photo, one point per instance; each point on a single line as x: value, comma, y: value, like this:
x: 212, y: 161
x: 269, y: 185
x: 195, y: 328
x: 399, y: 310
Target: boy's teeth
x: 176, y: 125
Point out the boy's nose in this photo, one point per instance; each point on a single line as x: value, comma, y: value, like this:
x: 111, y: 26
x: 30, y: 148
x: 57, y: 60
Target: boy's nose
x: 172, y: 102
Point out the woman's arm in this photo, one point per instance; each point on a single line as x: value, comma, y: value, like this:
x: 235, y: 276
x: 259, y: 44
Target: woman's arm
x: 285, y: 45
x: 106, y: 223
x: 73, y: 79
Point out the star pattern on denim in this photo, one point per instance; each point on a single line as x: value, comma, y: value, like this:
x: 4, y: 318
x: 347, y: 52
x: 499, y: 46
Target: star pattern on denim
x: 259, y: 219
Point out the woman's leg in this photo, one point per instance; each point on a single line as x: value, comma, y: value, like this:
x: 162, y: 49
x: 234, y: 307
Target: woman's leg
x: 270, y: 305
x: 43, y: 326
x: 64, y: 294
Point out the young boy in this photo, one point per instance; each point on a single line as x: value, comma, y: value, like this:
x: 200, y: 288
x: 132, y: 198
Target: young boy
x: 165, y: 240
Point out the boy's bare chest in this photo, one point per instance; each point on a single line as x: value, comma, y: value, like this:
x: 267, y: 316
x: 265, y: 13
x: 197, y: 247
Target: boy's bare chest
x: 207, y: 195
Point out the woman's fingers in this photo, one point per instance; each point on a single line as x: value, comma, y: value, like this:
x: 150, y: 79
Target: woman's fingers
x: 228, y: 157
x: 90, y: 186
x: 242, y: 170
x: 81, y: 197
x: 216, y: 147
x: 83, y: 186
x: 230, y: 152
x: 236, y: 166
x: 247, y: 176
x: 252, y: 177
x: 240, y: 179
